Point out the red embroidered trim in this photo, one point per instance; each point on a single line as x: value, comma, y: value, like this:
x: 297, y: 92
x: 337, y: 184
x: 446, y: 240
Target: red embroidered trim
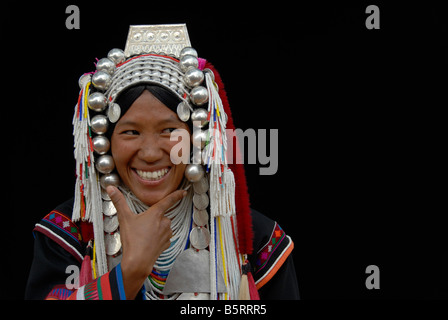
x: 265, y: 254
x: 64, y: 224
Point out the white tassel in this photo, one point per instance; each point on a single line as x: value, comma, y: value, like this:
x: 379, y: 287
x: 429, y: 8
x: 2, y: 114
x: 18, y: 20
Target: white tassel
x: 213, y: 262
x: 222, y: 199
x: 87, y: 179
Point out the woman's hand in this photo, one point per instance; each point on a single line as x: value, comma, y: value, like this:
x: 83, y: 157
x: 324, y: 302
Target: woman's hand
x: 143, y: 236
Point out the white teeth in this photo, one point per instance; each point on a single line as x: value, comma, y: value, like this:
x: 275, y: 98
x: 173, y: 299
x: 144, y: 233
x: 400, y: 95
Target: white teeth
x: 152, y: 175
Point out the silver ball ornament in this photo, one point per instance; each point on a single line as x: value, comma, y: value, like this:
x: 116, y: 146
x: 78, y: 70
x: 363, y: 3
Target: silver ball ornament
x: 194, y: 172
x: 106, y: 65
x: 199, y: 118
x: 199, y: 138
x: 116, y: 55
x: 105, y: 164
x: 97, y: 101
x: 187, y: 62
x: 110, y: 179
x: 188, y: 51
x: 101, y: 80
x: 198, y: 156
x: 101, y: 144
x: 193, y: 77
x: 99, y: 124
x: 199, y: 95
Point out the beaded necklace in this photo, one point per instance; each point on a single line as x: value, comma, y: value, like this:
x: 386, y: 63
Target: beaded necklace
x: 181, y: 223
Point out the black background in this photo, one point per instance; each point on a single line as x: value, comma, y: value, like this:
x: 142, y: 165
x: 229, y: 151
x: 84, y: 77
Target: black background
x: 361, y: 177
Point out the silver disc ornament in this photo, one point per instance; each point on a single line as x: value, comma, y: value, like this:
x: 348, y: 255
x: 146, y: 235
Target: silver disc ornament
x: 200, y: 217
x: 110, y: 223
x: 114, y: 112
x: 200, y: 238
x: 201, y: 186
x: 201, y: 201
x: 183, y: 112
x: 112, y: 242
x: 109, y: 208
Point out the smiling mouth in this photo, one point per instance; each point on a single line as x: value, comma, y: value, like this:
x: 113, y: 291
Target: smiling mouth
x: 152, y: 175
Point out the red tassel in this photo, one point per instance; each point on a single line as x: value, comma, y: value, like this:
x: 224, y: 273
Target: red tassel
x: 85, y: 276
x: 86, y: 231
x: 252, y: 288
x: 248, y: 290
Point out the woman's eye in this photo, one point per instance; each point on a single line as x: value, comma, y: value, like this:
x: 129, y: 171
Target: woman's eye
x: 131, y: 132
x: 168, y: 130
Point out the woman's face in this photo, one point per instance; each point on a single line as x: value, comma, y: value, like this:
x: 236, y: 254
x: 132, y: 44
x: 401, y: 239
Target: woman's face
x: 141, y: 149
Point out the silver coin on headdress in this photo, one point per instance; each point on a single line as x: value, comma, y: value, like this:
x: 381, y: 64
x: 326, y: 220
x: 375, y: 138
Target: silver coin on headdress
x: 200, y: 217
x: 201, y: 186
x: 109, y: 208
x: 114, y: 112
x: 201, y: 201
x: 200, y: 238
x: 112, y: 243
x: 110, y: 223
x: 183, y: 111
x: 84, y: 79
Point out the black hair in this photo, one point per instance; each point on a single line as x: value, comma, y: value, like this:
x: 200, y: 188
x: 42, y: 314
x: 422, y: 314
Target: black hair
x: 128, y: 97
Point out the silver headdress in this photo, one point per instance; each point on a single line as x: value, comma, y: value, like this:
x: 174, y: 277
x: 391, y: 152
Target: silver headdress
x: 161, y: 55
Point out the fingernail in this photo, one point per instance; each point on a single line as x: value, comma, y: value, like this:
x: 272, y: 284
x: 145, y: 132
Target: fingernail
x: 110, y: 190
x: 184, y: 194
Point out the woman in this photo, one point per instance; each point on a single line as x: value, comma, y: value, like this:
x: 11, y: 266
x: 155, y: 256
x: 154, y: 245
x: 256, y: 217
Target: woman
x: 142, y: 223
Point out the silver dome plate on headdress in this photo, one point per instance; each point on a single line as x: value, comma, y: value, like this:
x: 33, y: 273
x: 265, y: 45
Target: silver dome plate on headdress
x: 169, y: 39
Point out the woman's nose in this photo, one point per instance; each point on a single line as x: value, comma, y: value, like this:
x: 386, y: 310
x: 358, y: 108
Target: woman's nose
x: 150, y: 151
